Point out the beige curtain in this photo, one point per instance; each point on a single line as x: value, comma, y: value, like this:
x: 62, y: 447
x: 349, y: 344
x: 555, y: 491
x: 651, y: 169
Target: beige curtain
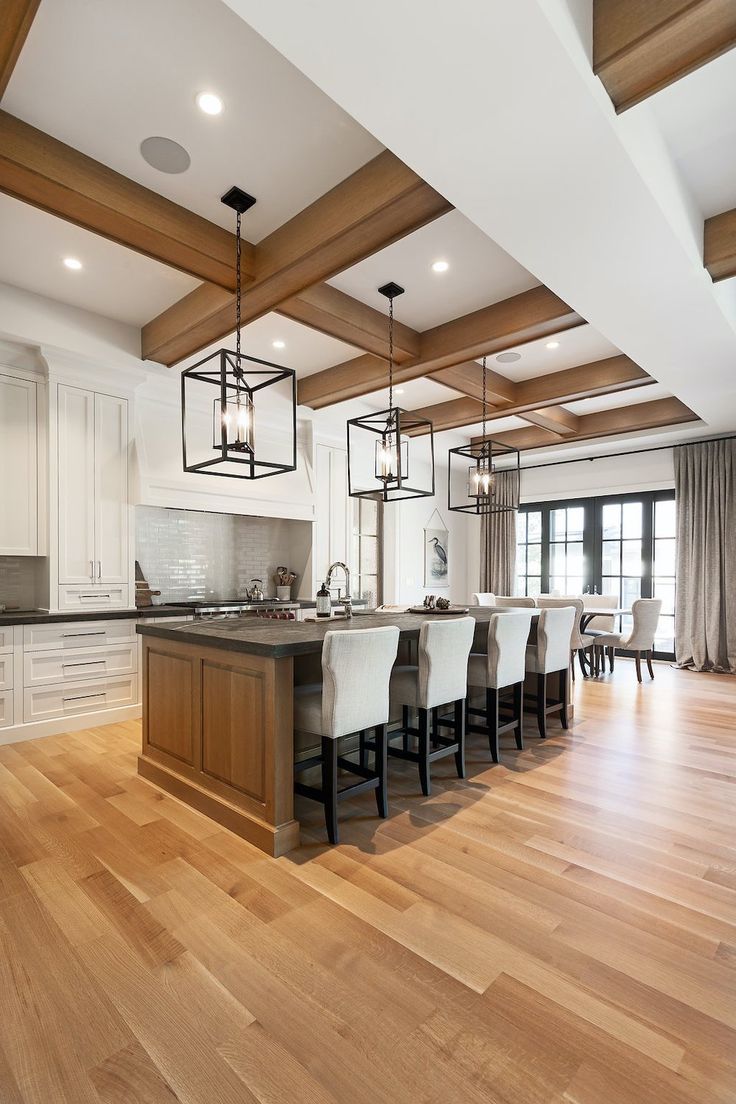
x: 498, y: 539
x: 705, y: 617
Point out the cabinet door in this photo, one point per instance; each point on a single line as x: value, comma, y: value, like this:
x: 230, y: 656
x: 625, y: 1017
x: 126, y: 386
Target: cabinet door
x: 19, y: 463
x: 76, y: 485
x: 111, y: 489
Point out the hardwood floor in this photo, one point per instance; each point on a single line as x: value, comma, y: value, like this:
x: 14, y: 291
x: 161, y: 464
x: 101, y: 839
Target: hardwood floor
x: 559, y: 928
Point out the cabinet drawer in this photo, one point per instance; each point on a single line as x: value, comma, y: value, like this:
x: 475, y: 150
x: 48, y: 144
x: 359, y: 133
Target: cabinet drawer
x: 64, y: 699
x: 6, y: 638
x: 6, y: 708
x: 78, y: 634
x: 80, y: 597
x: 44, y: 667
x: 6, y: 672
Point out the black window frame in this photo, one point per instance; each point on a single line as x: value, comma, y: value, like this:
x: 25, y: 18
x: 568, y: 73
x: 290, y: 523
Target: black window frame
x: 593, y: 537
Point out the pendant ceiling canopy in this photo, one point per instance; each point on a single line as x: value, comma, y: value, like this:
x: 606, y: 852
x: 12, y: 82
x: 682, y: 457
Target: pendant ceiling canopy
x: 238, y: 412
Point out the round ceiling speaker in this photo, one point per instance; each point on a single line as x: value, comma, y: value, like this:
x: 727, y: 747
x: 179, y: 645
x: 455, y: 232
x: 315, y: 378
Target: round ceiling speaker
x: 508, y: 358
x: 165, y: 155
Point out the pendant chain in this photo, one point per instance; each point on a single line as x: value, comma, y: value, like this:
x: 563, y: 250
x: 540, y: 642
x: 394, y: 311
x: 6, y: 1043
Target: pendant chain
x: 390, y: 353
x: 484, y: 404
x: 237, y: 291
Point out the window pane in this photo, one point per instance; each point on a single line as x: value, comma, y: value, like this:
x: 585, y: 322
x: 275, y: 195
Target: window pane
x: 631, y: 590
x: 632, y: 519
x: 534, y: 585
x: 535, y: 525
x: 665, y: 589
x: 557, y: 524
x: 534, y: 559
x: 664, y: 638
x: 369, y: 588
x: 521, y: 527
x: 368, y: 517
x: 664, y: 557
x: 631, y: 557
x: 368, y: 555
x: 575, y: 559
x: 664, y: 518
x: 557, y: 584
x: 574, y: 584
x: 557, y: 559
x: 575, y: 523
x: 611, y: 520
x: 612, y: 585
x: 521, y: 559
x: 611, y: 557
x: 520, y: 585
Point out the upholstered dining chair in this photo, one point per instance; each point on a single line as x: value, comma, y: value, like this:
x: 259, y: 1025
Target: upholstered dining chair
x: 508, y: 600
x: 440, y: 678
x: 502, y: 666
x: 549, y: 655
x: 353, y: 697
x: 580, y: 643
x: 645, y: 615
x: 484, y: 598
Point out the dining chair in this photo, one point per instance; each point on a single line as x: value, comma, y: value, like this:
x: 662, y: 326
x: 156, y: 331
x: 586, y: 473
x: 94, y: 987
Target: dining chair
x: 549, y: 655
x: 645, y: 616
x: 501, y: 667
x: 507, y: 600
x: 580, y: 643
x: 353, y: 697
x: 484, y: 598
x: 440, y: 678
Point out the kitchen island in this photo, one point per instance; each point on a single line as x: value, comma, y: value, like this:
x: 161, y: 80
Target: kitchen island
x: 218, y: 713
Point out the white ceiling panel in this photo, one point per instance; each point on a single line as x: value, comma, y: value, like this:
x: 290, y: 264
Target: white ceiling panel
x: 578, y: 346
x: 113, y: 281
x: 622, y: 398
x: 479, y: 272
x: 102, y: 76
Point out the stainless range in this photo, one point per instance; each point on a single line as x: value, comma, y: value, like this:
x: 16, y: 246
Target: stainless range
x: 241, y: 607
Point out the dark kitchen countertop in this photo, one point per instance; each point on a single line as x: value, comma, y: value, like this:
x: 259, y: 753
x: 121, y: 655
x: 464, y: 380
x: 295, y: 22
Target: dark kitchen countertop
x: 276, y: 639
x: 41, y: 617
x: 310, y: 603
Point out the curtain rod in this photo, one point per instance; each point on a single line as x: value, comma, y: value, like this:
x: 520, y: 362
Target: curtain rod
x: 634, y: 452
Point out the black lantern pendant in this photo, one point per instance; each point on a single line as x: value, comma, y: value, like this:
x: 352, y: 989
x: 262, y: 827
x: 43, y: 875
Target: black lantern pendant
x: 473, y: 489
x: 247, y: 429
x: 379, y: 444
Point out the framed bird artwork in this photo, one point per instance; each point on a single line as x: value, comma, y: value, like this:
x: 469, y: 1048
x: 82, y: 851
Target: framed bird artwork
x: 436, y: 553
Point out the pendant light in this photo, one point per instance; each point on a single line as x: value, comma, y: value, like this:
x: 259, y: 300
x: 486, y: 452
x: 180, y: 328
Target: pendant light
x: 238, y: 412
x: 473, y: 488
x: 390, y: 452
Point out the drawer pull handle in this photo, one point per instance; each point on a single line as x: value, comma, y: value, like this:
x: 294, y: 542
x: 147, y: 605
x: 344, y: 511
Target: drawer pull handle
x: 100, y: 632
x: 93, y: 596
x: 82, y: 697
x: 85, y: 663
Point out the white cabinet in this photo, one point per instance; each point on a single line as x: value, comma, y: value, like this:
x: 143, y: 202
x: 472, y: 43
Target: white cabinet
x: 19, y: 465
x: 93, y: 491
x: 332, y: 524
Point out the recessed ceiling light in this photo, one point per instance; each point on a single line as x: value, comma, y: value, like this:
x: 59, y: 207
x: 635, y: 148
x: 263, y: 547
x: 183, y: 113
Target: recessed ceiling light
x: 398, y: 390
x: 72, y: 263
x: 209, y: 103
x: 508, y: 358
x: 440, y: 266
x: 165, y: 155
x: 552, y: 345
x: 279, y: 344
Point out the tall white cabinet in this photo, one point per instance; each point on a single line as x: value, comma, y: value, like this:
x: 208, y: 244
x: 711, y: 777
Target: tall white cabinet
x: 19, y: 528
x: 93, y: 510
x: 332, y: 516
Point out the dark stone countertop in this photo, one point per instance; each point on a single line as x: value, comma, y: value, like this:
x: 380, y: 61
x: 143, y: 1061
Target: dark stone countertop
x: 41, y: 617
x: 276, y: 639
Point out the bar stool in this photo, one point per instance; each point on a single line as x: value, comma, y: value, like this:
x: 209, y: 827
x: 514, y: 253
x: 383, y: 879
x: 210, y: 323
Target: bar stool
x: 509, y: 600
x: 580, y: 642
x: 441, y: 678
x: 550, y: 654
x: 484, y: 598
x: 504, y: 665
x: 356, y: 668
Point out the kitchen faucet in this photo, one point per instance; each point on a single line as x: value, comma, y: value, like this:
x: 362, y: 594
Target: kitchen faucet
x: 348, y: 596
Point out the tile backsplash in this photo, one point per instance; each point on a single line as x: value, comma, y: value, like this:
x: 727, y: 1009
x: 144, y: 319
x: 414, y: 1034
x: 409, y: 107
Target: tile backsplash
x: 193, y: 554
x: 19, y: 581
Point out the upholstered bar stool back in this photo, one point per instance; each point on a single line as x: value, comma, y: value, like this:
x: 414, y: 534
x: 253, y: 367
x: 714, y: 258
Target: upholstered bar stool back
x: 507, y: 600
x: 440, y: 678
x: 353, y: 697
x: 579, y: 642
x: 502, y: 665
x: 551, y: 655
x: 484, y: 598
x: 645, y: 616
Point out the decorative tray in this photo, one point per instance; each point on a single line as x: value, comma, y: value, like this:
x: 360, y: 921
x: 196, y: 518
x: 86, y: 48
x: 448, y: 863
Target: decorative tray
x: 452, y: 609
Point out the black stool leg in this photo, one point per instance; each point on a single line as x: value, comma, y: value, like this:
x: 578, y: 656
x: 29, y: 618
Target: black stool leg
x: 519, y: 714
x: 363, y: 757
x: 329, y: 785
x: 424, y: 752
x: 542, y: 705
x: 565, y: 696
x: 611, y: 656
x: 405, y: 725
x: 381, y: 768
x: 492, y: 721
x: 460, y: 737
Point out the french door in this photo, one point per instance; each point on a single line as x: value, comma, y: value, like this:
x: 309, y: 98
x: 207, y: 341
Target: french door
x: 622, y: 545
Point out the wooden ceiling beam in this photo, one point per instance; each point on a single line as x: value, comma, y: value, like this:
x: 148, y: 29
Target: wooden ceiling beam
x: 338, y: 315
x: 521, y: 318
x: 380, y: 203
x: 16, y: 18
x: 719, y: 245
x: 658, y: 414
x: 639, y: 48
x: 554, y: 418
x: 46, y: 173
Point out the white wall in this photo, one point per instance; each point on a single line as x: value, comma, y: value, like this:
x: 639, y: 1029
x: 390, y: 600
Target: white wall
x: 647, y: 471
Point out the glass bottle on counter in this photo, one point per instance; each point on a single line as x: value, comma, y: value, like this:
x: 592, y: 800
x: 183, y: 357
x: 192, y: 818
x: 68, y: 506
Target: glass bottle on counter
x: 324, y: 602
